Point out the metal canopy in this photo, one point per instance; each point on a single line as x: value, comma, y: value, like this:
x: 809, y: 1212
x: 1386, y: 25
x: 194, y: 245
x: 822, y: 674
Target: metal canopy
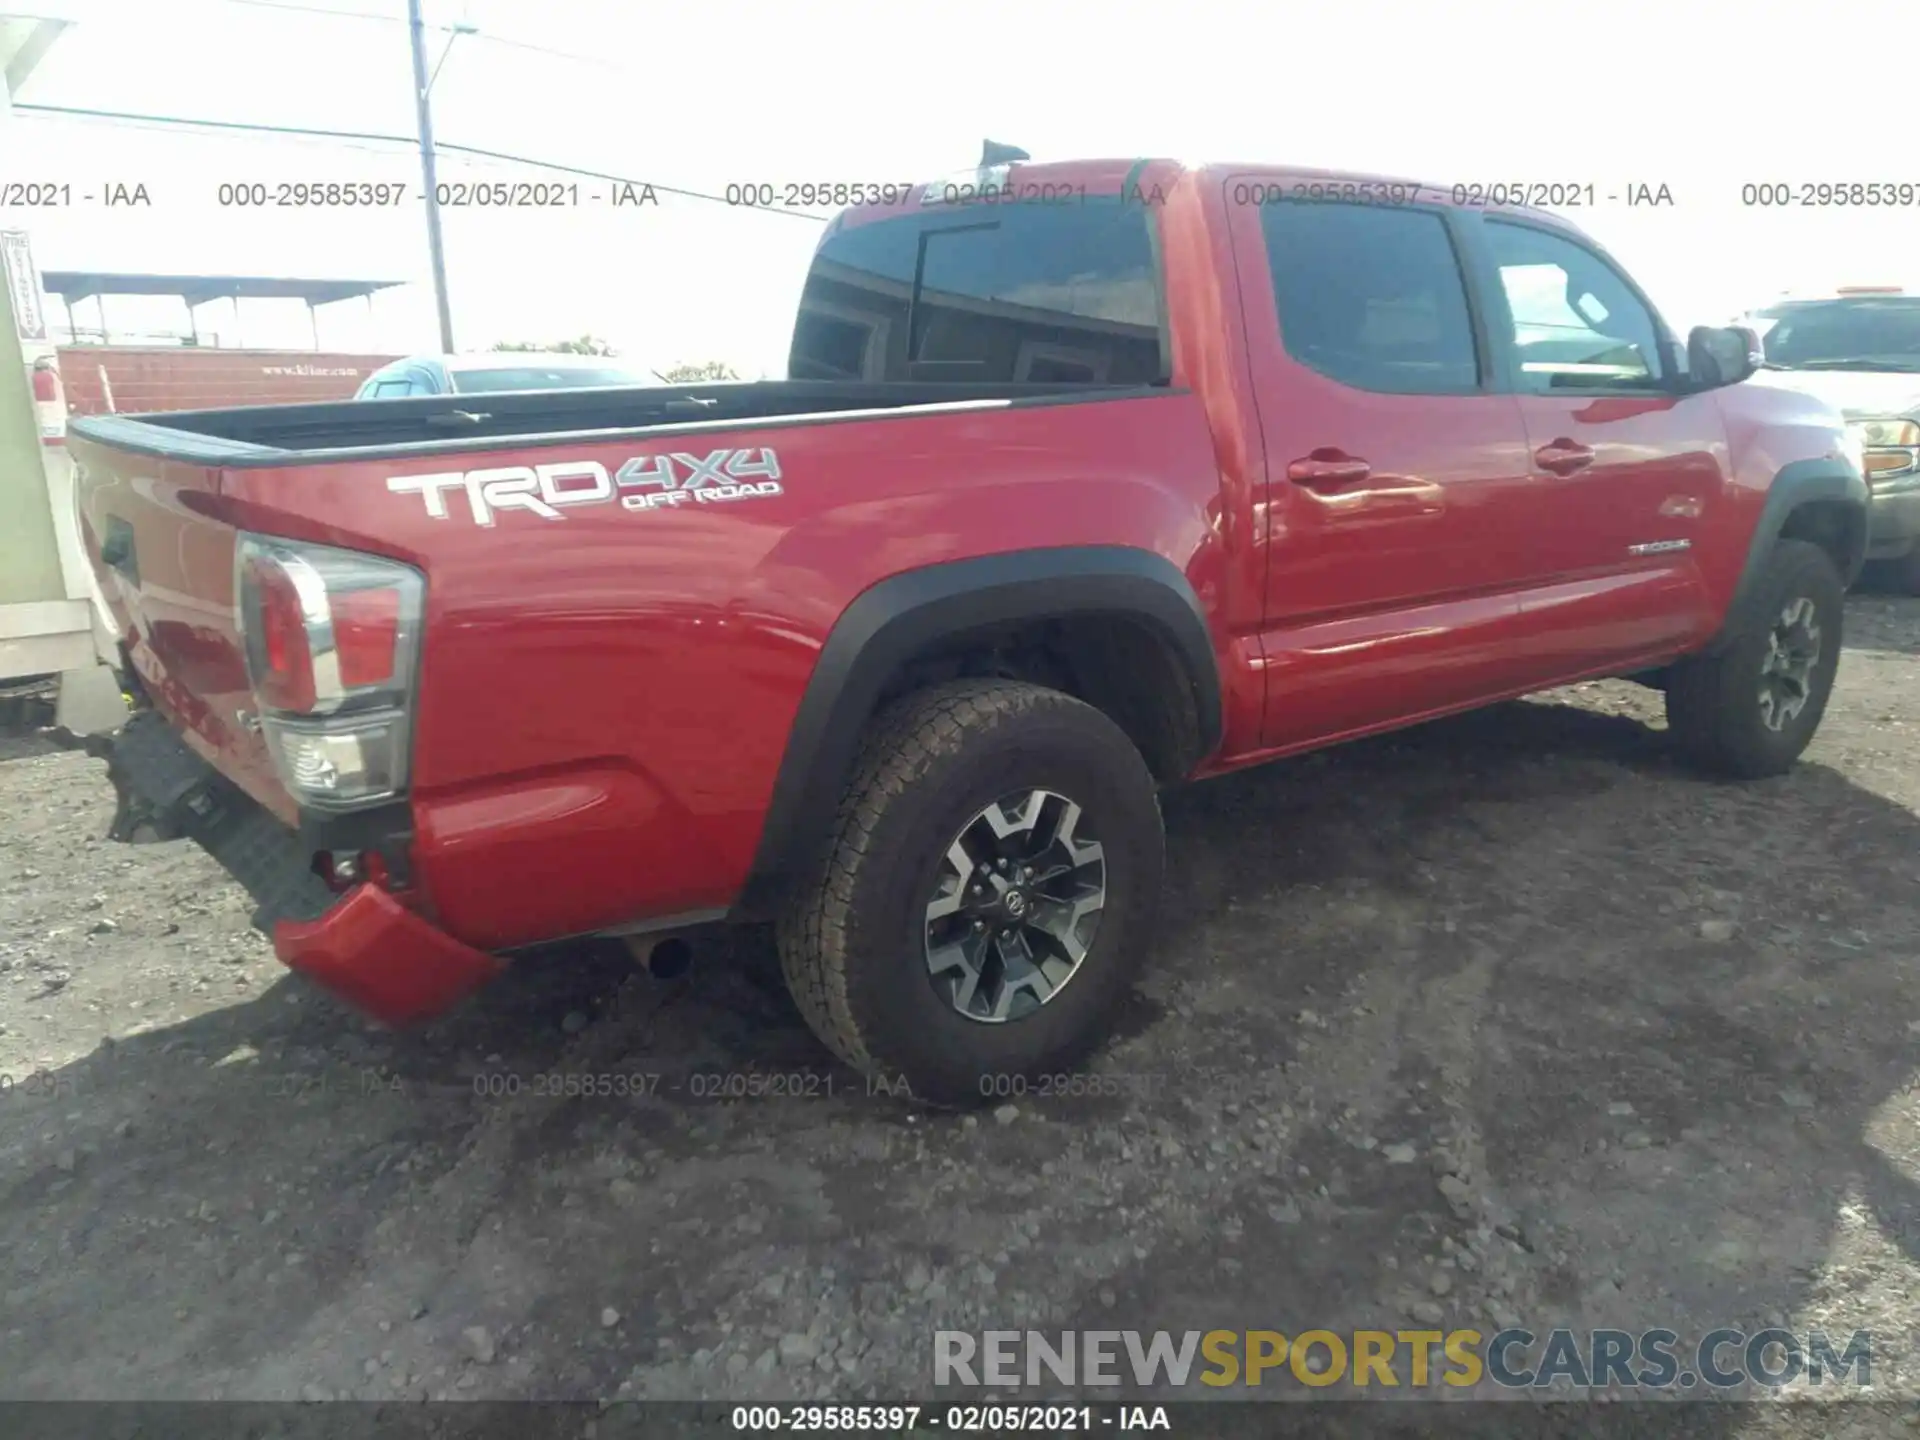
x: 72, y: 285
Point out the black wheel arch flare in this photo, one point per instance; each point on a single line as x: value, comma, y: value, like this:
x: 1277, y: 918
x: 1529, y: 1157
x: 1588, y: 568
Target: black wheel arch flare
x: 901, y: 616
x: 1823, y: 481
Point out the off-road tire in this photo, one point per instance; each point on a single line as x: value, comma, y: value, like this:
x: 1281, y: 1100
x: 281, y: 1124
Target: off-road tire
x: 1713, y: 707
x: 852, y: 935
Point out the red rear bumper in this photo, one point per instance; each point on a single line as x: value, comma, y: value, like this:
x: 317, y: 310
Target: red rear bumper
x: 365, y: 946
x: 378, y: 955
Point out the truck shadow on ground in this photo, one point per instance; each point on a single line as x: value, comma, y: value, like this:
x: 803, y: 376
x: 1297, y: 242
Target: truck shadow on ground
x: 1658, y: 1024
x: 1480, y: 937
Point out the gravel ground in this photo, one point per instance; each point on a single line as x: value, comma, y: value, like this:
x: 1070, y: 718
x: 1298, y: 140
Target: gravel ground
x: 1506, y: 1019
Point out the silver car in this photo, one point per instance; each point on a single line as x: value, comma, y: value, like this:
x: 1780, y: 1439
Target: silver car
x: 1859, y: 350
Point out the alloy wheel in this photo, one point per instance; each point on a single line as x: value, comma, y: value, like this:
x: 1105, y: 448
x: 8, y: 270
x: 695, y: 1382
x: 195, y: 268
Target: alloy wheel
x: 1016, y: 906
x: 1786, y: 670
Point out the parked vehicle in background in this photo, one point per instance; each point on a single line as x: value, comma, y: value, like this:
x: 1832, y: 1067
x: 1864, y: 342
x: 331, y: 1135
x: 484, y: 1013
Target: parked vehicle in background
x: 496, y: 371
x: 1859, y: 350
x: 1168, y: 472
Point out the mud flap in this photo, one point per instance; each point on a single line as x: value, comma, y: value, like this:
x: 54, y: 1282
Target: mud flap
x: 167, y: 792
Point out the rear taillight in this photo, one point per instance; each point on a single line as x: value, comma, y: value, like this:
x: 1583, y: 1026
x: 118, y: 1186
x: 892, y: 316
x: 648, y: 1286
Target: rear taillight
x: 331, y: 639
x: 366, y: 635
x: 274, y: 619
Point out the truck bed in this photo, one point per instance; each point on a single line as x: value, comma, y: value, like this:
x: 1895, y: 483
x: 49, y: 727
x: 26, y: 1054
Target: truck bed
x: 266, y: 435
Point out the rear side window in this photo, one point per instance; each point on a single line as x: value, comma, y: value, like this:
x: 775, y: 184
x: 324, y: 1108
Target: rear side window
x: 998, y: 293
x: 1371, y: 296
x: 390, y: 389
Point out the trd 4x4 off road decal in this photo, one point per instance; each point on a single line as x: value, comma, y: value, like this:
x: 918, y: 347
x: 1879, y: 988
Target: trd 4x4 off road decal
x: 654, y: 481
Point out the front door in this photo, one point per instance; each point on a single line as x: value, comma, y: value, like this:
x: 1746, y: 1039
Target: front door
x: 1625, y: 466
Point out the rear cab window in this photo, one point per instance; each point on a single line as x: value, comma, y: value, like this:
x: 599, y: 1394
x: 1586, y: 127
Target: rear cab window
x: 1040, y: 286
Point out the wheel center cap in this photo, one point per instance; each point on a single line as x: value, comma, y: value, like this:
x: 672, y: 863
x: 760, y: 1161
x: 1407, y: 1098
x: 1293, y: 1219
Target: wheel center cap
x: 1016, y: 903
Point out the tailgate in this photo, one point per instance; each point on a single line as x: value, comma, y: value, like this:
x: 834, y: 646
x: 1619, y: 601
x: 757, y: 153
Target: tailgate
x: 164, y: 560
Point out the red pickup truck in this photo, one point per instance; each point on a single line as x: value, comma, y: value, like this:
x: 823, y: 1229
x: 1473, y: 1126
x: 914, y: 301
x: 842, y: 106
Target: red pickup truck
x: 1089, y: 479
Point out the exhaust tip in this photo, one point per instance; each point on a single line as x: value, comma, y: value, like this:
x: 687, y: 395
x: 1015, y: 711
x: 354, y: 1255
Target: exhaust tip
x: 670, y: 959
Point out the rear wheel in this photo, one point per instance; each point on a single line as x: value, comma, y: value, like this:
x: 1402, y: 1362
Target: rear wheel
x: 1751, y: 709
x: 987, y: 895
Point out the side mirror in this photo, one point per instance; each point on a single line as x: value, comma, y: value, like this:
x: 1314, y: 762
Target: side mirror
x: 1722, y: 355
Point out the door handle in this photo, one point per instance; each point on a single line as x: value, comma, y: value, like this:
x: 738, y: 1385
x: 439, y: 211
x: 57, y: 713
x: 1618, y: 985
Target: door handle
x: 1563, y: 456
x: 1328, y: 469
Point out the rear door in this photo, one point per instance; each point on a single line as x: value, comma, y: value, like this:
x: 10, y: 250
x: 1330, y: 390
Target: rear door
x: 1624, y: 466
x: 1396, y: 470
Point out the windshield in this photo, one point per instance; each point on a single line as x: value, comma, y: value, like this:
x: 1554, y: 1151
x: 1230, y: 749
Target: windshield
x: 1881, y: 333
x: 533, y: 377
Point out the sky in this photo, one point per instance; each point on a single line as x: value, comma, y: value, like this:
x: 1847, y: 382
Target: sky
x: 1670, y: 93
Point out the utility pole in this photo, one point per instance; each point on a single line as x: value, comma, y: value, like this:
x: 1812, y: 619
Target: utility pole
x: 424, y: 111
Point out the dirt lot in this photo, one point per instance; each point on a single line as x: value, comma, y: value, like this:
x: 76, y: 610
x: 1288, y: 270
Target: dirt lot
x: 1507, y: 1019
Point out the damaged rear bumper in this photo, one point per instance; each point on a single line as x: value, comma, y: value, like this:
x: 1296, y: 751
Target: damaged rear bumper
x: 381, y: 957
x: 365, y: 945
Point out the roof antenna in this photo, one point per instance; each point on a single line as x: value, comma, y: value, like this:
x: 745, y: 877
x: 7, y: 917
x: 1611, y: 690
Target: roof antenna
x: 992, y: 153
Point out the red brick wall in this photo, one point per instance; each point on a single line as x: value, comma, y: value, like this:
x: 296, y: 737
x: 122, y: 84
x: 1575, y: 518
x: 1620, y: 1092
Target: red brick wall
x: 187, y: 378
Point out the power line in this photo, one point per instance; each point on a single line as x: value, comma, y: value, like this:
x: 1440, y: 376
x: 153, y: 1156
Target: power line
x: 87, y: 112
x: 353, y: 145
x: 513, y: 44
x: 623, y: 180
x: 324, y: 10
x: 364, y: 136
x: 507, y: 40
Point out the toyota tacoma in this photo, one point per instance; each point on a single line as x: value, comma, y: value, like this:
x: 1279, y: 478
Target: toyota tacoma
x: 1087, y: 480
